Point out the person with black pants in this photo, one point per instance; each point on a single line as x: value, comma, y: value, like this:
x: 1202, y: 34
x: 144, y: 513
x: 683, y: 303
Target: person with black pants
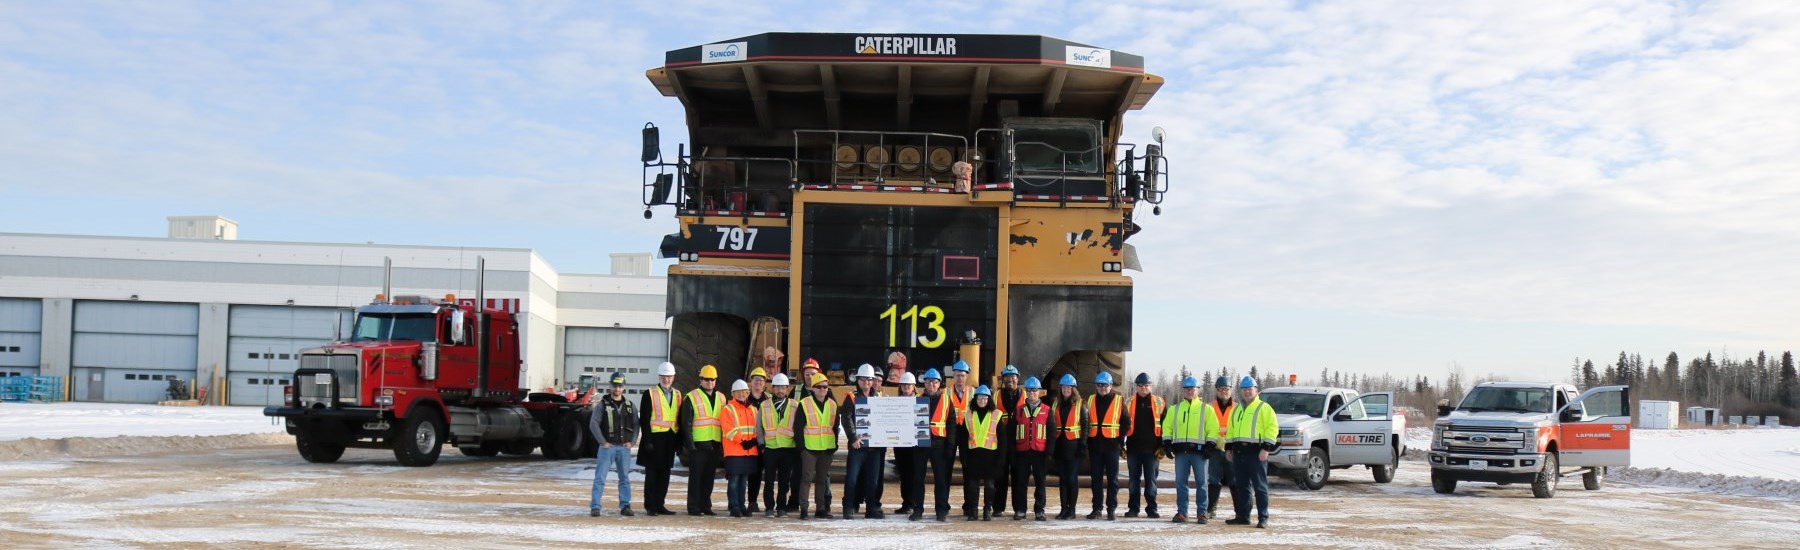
x: 980, y: 464
x: 910, y: 462
x: 1106, y: 427
x: 945, y: 438
x: 759, y: 381
x: 1033, y: 426
x: 780, y: 448
x: 1068, y: 445
x: 1006, y: 401
x: 1144, y: 415
x: 862, y: 468
x: 704, y: 441
x: 660, y: 436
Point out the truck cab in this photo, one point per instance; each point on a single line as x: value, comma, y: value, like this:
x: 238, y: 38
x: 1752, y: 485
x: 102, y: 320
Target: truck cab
x: 1324, y: 429
x: 1531, y: 432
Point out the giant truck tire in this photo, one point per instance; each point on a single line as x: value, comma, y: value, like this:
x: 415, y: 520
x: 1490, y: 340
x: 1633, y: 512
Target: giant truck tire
x: 420, y: 439
x: 1384, y: 473
x: 1318, y: 469
x: 1442, y: 484
x: 315, y: 451
x: 1544, y: 486
x: 1593, y: 479
x: 717, y: 339
x: 1085, y: 365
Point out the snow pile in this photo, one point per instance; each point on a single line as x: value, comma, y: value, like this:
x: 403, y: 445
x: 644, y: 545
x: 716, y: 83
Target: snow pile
x: 60, y: 420
x: 1772, y: 453
x: 1708, y: 483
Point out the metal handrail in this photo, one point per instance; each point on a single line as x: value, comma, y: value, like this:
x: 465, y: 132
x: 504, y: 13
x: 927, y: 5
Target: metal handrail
x: 881, y: 140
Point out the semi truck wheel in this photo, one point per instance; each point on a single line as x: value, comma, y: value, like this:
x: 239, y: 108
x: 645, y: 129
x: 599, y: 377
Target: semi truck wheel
x: 1318, y: 469
x: 1442, y: 484
x: 1545, y: 484
x: 1593, y: 479
x: 1384, y: 473
x: 316, y: 451
x: 420, y: 439
x: 716, y: 339
x: 565, y: 440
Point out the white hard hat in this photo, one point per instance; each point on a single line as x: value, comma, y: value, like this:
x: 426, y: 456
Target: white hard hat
x: 665, y: 369
x: 740, y: 386
x: 865, y: 371
x: 780, y: 379
x: 908, y: 379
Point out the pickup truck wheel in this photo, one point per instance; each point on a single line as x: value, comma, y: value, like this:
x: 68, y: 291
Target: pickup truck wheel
x: 1593, y: 478
x: 1442, y: 484
x: 420, y: 439
x: 1384, y: 473
x: 1545, y: 484
x: 1318, y: 469
x: 316, y: 451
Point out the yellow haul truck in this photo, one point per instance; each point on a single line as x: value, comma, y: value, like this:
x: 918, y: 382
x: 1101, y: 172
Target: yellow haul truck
x: 852, y: 197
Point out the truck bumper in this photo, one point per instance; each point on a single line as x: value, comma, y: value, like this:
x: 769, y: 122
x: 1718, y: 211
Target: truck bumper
x: 1289, y: 459
x: 1516, y: 468
x: 348, y: 426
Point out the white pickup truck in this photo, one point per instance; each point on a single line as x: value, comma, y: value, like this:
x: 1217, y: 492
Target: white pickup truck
x: 1530, y: 432
x: 1323, y: 429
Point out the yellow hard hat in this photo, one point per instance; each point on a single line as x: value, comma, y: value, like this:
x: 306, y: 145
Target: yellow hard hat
x: 709, y: 373
x: 816, y: 380
x: 758, y: 371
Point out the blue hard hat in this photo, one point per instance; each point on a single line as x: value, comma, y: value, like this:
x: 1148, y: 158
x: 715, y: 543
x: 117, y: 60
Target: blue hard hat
x: 1067, y: 380
x: 1031, y: 383
x: 1012, y: 370
x: 1103, y: 378
x: 1190, y: 382
x: 1143, y: 379
x: 932, y: 374
x: 961, y: 366
x: 1222, y: 382
x: 1247, y: 382
x: 983, y: 390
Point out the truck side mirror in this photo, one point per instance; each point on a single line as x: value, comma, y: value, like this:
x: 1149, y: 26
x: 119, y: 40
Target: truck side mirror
x: 1443, y: 410
x: 456, y: 327
x: 652, y: 144
x: 1571, y: 414
x: 1340, y: 417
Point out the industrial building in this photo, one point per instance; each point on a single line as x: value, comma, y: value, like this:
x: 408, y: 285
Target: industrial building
x: 119, y: 317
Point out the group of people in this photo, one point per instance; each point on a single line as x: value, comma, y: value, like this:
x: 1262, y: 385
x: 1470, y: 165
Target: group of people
x: 779, y: 446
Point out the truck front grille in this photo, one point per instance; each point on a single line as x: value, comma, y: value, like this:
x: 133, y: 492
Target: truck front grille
x: 316, y: 388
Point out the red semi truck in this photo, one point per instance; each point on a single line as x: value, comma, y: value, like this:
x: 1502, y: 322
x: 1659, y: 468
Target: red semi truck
x: 416, y: 374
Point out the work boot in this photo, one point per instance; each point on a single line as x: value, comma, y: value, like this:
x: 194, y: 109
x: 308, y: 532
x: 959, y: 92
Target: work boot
x: 1094, y: 514
x: 802, y: 513
x: 781, y: 512
x: 903, y: 510
x: 626, y: 511
x: 823, y: 515
x: 1152, y: 514
x: 695, y: 513
x: 943, y: 516
x: 708, y: 512
x: 875, y: 515
x: 1018, y: 516
x: 969, y: 516
x: 1180, y: 518
x: 1109, y: 515
x: 594, y: 512
x: 1237, y: 521
x: 1040, y: 516
x: 916, y: 514
x: 769, y: 513
x: 1262, y: 523
x: 987, y: 515
x: 1132, y: 513
x: 1201, y: 519
x: 753, y: 509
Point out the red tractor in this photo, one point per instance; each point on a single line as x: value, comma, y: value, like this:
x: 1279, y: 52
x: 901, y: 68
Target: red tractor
x: 416, y: 374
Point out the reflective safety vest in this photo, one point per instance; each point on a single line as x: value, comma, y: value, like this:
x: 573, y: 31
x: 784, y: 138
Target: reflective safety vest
x: 944, y: 415
x: 1223, y: 415
x: 960, y: 399
x: 1156, y: 414
x: 984, y: 433
x: 1189, y: 422
x: 1070, y: 428
x: 1252, y: 423
x: 1104, y: 425
x: 820, y: 431
x: 1032, y: 425
x: 664, y: 409
x: 778, y: 424
x: 740, y: 426
x: 706, y: 415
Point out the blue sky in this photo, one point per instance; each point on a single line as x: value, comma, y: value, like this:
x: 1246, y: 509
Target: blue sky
x: 1366, y: 186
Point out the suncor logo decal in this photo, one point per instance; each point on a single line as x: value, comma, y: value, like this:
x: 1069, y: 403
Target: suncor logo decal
x: 1088, y: 57
x: 720, y: 53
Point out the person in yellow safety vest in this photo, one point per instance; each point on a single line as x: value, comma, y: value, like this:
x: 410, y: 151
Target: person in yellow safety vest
x: 738, y: 421
x: 700, y: 422
x: 1248, y: 441
x: 945, y: 418
x: 981, y: 461
x: 759, y: 382
x: 1143, y: 437
x: 1106, y: 437
x: 818, y: 427
x: 780, y: 451
x: 1218, y: 478
x: 660, y: 437
x: 1191, y: 434
x: 1069, y: 445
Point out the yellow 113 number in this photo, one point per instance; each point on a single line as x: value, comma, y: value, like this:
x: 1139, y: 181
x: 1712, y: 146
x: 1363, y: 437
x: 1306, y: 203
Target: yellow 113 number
x: 934, y: 320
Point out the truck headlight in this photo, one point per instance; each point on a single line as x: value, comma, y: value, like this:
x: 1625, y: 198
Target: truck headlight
x: 1289, y: 437
x: 1528, y: 440
x: 384, y: 400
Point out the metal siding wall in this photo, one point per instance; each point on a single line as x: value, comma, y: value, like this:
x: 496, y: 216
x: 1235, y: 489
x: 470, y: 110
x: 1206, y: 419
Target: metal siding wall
x: 272, y: 333
x: 601, y: 351
x: 115, y: 339
x: 256, y: 388
x: 21, y: 326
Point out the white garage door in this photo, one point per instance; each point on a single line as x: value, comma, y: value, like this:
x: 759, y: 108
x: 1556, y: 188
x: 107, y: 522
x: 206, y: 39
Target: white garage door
x: 126, y: 352
x: 264, y: 345
x: 598, y: 352
x: 21, y: 323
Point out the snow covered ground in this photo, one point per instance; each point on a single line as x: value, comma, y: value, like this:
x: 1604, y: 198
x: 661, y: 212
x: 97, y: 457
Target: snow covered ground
x: 64, y: 420
x: 1772, y: 453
